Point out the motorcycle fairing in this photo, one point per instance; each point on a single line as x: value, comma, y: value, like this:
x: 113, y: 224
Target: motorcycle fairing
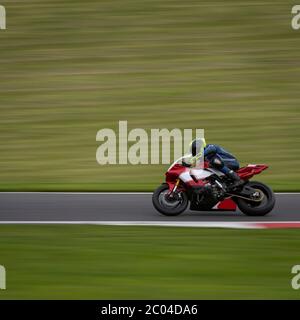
x: 250, y: 170
x: 225, y: 205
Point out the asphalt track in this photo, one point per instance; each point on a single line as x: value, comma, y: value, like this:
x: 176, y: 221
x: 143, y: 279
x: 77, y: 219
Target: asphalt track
x: 121, y: 207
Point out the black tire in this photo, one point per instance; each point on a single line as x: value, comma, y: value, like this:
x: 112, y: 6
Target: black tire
x: 250, y: 208
x: 168, y: 211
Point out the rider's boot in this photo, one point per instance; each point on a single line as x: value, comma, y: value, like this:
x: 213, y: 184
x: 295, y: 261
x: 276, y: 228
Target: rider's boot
x: 237, y: 181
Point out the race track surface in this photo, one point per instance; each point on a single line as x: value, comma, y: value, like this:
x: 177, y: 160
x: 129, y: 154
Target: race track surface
x: 121, y: 207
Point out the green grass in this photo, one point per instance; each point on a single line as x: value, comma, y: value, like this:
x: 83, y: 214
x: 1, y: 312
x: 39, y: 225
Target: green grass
x: 94, y: 262
x: 69, y: 68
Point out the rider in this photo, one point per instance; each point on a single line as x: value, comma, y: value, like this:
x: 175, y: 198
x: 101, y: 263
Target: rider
x: 217, y: 157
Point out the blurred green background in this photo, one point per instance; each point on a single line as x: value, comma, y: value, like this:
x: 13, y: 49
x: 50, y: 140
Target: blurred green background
x: 69, y: 68
x: 83, y: 262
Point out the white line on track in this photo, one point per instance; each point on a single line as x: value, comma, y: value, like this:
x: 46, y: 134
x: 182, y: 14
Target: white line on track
x: 192, y: 224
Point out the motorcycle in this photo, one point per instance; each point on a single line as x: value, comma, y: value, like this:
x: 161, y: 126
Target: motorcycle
x: 207, y: 189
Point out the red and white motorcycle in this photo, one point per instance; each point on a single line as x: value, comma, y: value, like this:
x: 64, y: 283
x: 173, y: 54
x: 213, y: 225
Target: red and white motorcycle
x: 207, y: 189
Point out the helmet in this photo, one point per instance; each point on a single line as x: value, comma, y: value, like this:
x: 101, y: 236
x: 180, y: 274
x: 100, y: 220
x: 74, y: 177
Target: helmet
x: 197, y: 147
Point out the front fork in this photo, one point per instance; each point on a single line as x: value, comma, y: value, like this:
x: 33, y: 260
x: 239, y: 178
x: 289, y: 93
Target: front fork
x: 172, y: 192
x: 176, y: 185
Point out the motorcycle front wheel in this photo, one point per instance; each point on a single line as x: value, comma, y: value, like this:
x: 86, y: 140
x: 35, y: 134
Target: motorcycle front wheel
x: 166, y: 205
x: 261, y: 208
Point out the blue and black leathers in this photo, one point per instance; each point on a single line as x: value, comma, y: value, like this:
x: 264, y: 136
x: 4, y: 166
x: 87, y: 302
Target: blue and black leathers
x: 220, y: 158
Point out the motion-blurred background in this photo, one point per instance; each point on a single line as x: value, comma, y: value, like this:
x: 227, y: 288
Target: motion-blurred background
x: 69, y: 68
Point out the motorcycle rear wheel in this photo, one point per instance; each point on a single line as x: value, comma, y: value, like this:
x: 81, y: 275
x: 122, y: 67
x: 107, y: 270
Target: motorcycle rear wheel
x: 262, y: 208
x: 165, y: 206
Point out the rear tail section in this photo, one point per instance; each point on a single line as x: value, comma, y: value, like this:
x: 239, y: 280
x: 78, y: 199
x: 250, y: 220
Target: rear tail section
x: 250, y: 170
